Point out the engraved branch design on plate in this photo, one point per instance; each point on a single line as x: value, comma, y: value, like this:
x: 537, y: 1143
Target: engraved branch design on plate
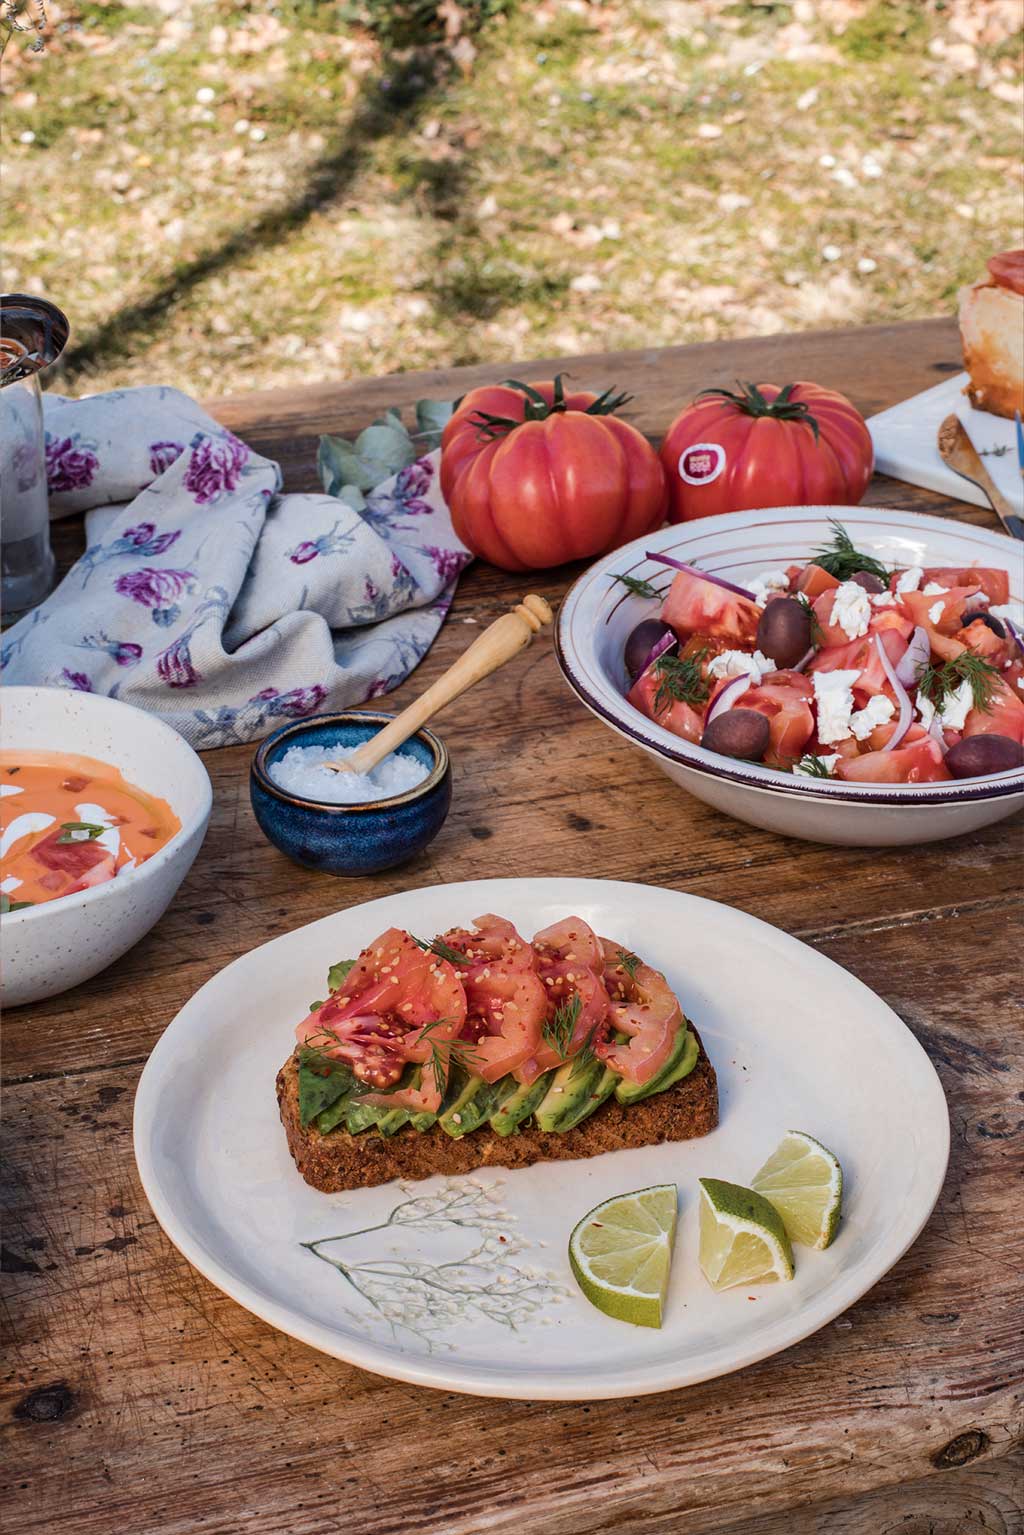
x: 428, y: 1297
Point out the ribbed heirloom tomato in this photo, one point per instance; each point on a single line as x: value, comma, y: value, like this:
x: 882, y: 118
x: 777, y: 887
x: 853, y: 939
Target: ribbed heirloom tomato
x: 765, y: 446
x: 534, y: 477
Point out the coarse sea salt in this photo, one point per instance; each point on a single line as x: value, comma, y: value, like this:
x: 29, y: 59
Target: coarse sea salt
x: 301, y: 772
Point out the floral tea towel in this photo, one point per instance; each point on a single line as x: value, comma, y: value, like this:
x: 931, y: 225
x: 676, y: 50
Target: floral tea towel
x: 209, y: 599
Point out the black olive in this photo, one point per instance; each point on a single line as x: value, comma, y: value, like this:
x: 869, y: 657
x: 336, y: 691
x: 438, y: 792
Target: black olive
x: 975, y: 756
x: 987, y: 619
x: 739, y: 733
x: 641, y: 642
x: 868, y: 581
x: 784, y: 631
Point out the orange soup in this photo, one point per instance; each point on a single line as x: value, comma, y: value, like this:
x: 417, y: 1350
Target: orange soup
x: 68, y: 822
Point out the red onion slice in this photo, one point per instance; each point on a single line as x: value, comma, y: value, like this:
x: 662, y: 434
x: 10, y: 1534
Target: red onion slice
x: 916, y: 657
x: 1018, y: 638
x: 691, y: 570
x: 936, y: 731
x: 906, y: 713
x: 728, y: 696
x: 666, y: 642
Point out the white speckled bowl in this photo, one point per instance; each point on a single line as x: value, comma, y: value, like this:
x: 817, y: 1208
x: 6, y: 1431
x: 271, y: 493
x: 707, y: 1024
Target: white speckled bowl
x: 47, y: 949
x: 598, y: 613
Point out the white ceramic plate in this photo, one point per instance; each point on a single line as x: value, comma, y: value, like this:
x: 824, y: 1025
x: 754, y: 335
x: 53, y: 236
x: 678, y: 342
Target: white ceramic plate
x: 796, y: 1041
x: 906, y: 443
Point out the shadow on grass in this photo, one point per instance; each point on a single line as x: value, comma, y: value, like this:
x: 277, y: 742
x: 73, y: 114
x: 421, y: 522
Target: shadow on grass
x: 389, y: 105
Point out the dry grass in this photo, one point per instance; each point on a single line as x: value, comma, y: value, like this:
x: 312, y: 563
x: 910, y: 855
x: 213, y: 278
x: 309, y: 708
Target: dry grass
x: 235, y: 195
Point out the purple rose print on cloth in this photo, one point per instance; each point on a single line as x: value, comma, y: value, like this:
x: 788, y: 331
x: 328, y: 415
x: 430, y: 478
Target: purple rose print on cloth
x: 77, y: 680
x: 70, y: 463
x: 215, y: 466
x: 157, y: 590
x: 175, y: 664
x: 212, y: 599
x: 123, y: 652
x: 163, y: 454
x: 332, y: 542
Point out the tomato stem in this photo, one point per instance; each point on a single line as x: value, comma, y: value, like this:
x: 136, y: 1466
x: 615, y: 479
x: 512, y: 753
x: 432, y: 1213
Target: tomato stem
x: 747, y: 397
x: 537, y: 408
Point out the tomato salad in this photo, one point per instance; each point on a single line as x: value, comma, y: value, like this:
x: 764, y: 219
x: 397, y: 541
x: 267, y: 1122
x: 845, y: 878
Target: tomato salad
x: 842, y: 668
x: 485, y: 1026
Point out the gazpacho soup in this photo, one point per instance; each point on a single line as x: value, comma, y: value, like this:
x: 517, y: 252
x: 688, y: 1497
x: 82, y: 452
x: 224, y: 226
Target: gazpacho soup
x: 68, y: 822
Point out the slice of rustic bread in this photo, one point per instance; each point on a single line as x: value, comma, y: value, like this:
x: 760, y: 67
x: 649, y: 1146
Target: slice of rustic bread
x: 340, y: 1161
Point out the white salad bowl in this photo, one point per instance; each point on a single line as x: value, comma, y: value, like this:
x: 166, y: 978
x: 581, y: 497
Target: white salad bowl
x: 49, y: 948
x: 598, y: 614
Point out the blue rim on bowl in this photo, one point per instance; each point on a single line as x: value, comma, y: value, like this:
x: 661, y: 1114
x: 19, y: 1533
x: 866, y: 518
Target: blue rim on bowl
x: 298, y: 728
x: 603, y: 698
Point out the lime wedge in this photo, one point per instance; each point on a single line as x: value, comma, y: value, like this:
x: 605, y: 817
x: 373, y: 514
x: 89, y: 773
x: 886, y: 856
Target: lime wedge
x: 804, y: 1181
x: 621, y: 1254
x: 742, y: 1238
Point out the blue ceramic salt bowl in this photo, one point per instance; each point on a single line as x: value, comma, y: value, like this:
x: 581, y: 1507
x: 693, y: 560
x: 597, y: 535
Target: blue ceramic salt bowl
x: 350, y: 839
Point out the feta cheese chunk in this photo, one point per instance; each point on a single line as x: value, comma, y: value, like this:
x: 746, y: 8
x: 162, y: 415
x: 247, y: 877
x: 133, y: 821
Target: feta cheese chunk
x: 833, y: 695
x: 910, y: 580
x: 933, y: 589
x: 851, y: 610
x: 805, y: 768
x: 935, y: 612
x: 734, y: 663
x: 884, y: 599
x: 878, y: 710
x: 956, y: 707
x: 768, y: 581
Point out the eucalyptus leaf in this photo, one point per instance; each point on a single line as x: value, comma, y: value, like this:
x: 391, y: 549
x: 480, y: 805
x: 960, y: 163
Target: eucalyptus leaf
x: 387, y: 447
x: 432, y: 416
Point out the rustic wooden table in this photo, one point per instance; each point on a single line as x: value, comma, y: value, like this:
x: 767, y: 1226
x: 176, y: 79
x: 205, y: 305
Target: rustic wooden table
x: 139, y: 1399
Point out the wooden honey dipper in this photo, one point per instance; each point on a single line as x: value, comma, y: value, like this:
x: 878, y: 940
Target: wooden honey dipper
x: 500, y: 641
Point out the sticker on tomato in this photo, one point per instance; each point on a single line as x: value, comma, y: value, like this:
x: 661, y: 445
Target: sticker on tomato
x: 701, y: 463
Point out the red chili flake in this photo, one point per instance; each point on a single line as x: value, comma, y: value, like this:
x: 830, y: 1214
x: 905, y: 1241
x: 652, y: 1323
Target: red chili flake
x: 75, y: 785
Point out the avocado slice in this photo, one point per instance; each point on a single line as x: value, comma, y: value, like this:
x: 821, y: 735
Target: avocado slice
x: 596, y: 1094
x: 393, y: 1120
x: 453, y: 1087
x: 330, y: 1118
x: 679, y: 1064
x: 570, y: 1088
x: 361, y: 1116
x: 519, y: 1104
x: 472, y: 1106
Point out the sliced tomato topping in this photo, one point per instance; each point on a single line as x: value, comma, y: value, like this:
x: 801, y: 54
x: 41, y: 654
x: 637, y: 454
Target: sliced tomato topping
x: 980, y: 640
x: 571, y: 939
x: 505, y: 997
x: 570, y: 961
x: 696, y: 606
x: 862, y: 656
x: 674, y: 715
x: 1003, y: 717
x: 1007, y: 269
x: 644, y: 1007
x: 813, y: 580
x: 74, y: 865
x: 920, y: 762
x: 785, y: 699
x: 994, y: 583
x: 397, y: 1005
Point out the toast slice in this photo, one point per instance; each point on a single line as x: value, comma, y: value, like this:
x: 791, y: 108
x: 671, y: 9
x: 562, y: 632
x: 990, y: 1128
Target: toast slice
x: 341, y: 1161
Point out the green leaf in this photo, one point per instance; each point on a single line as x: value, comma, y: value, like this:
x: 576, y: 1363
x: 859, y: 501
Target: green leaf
x: 91, y: 830
x: 337, y: 973
x: 321, y: 1084
x: 384, y: 448
x: 432, y: 416
x: 353, y: 497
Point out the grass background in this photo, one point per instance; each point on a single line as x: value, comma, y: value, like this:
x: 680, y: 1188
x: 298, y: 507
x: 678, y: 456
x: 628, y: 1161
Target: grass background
x: 235, y: 194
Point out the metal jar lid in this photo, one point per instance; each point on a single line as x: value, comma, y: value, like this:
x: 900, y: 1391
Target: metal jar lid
x: 33, y: 333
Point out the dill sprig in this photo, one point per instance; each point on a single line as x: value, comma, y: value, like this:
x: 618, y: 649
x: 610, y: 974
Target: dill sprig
x: 629, y: 962
x: 637, y: 585
x: 813, y: 767
x: 559, y: 1029
x: 586, y: 1054
x: 680, y: 680
x: 843, y: 559
x: 936, y: 683
x: 441, y: 949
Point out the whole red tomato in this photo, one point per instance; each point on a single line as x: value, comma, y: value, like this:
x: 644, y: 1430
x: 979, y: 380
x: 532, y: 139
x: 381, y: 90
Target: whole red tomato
x: 765, y: 446
x: 534, y: 477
